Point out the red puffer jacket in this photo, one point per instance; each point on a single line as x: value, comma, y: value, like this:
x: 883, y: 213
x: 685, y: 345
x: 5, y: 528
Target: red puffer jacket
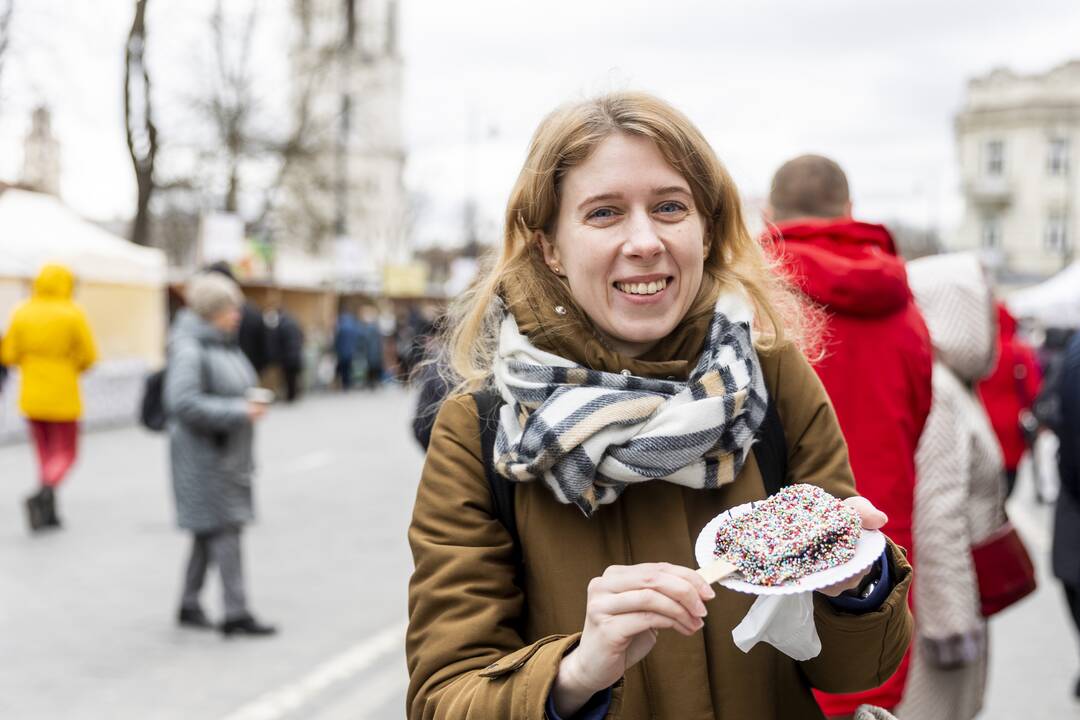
x: 1012, y: 387
x: 877, y: 370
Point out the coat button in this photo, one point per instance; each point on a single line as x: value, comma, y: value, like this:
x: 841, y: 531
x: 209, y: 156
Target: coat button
x: 626, y: 372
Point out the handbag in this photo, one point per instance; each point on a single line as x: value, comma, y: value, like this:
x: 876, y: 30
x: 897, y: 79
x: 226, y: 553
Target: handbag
x: 1003, y: 570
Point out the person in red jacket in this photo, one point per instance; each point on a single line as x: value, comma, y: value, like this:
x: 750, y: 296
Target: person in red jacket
x: 1009, y: 392
x: 877, y: 360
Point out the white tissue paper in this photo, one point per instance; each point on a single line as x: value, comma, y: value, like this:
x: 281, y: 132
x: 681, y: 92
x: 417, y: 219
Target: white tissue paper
x: 784, y: 621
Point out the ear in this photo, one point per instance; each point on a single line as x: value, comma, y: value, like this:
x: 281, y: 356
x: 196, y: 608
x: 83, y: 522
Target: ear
x: 847, y: 210
x: 551, y: 251
x: 707, y: 241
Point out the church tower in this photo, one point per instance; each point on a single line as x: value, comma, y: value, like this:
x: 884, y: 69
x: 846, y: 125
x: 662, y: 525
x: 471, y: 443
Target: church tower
x: 41, y: 155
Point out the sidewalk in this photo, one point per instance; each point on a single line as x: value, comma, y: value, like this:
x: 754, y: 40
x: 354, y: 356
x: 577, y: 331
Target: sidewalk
x: 1034, y: 656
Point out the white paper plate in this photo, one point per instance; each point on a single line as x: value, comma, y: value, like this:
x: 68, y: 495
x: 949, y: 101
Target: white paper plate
x: 867, y: 550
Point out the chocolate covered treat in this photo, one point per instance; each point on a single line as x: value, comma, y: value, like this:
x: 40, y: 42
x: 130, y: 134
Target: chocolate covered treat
x: 798, y: 531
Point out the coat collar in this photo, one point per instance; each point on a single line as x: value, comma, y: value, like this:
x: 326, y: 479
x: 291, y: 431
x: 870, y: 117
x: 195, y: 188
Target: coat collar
x: 672, y: 358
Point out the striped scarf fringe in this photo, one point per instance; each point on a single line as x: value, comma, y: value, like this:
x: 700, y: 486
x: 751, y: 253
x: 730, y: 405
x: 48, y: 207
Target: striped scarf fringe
x: 588, y: 434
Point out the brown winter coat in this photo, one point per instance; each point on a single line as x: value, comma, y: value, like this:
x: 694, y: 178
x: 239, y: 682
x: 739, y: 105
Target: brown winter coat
x: 467, y: 660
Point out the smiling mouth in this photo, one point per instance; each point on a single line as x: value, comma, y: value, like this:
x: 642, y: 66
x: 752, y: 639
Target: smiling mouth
x: 643, y: 288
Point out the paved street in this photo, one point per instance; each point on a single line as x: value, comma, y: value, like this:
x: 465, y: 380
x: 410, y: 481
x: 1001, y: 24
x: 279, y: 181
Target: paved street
x: 86, y: 615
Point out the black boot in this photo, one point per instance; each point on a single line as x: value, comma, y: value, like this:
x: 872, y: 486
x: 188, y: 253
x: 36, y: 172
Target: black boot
x: 193, y: 617
x: 52, y: 520
x: 246, y: 625
x: 36, y: 512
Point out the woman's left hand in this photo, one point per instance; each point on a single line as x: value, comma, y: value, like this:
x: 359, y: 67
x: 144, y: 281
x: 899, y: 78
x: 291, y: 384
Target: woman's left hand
x: 872, y: 519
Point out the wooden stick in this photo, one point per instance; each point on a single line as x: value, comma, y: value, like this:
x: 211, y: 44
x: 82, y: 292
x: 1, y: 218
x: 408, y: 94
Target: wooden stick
x: 718, y: 570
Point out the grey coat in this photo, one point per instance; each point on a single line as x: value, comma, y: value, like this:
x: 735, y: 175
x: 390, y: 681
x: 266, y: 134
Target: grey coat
x: 210, y: 435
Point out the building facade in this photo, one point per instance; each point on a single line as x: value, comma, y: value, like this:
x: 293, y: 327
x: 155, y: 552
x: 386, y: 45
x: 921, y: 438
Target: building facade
x: 1017, y: 138
x: 344, y: 196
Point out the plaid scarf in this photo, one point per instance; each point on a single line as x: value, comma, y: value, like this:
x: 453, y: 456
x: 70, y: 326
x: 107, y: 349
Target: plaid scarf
x: 588, y: 434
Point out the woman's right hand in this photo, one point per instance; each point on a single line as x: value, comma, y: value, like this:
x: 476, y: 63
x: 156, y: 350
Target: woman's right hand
x: 255, y: 410
x: 626, y: 608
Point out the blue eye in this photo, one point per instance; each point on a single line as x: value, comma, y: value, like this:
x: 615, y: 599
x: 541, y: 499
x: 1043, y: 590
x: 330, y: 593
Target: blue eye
x: 601, y: 214
x: 671, y: 207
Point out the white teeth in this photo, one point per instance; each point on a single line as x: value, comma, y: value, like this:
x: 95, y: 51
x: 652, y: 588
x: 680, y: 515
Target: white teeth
x: 650, y: 288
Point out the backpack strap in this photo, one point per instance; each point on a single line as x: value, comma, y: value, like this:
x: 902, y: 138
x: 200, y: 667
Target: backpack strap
x: 502, y: 490
x: 770, y: 449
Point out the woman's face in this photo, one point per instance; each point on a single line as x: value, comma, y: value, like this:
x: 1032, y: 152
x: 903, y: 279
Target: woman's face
x: 629, y: 241
x: 227, y: 319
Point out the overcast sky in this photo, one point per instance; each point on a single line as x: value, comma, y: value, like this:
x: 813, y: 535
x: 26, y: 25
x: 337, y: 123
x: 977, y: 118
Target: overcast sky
x: 874, y: 85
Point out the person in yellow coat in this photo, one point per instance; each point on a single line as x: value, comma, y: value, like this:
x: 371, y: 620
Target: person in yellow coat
x: 49, y: 340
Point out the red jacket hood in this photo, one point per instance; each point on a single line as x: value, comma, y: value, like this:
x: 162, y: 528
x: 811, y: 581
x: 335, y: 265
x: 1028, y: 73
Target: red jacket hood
x: 1006, y: 324
x: 849, y: 267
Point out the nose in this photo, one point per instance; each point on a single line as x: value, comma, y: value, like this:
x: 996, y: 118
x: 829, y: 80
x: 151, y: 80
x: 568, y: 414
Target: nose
x: 642, y: 240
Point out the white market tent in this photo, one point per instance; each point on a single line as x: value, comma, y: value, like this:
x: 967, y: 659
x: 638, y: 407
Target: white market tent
x: 1053, y: 303
x: 121, y: 286
x: 36, y: 228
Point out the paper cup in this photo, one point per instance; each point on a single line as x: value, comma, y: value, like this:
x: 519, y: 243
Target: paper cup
x: 260, y: 395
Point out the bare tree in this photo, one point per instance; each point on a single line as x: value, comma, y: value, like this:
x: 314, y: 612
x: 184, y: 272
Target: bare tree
x: 297, y: 196
x: 233, y: 106
x: 142, y: 140
x: 232, y: 103
x: 7, y: 9
x: 290, y: 151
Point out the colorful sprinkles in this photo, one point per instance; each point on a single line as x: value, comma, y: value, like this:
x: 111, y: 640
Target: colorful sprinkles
x: 798, y: 531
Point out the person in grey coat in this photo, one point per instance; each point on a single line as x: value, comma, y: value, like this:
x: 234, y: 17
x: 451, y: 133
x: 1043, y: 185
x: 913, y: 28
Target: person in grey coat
x: 211, y: 433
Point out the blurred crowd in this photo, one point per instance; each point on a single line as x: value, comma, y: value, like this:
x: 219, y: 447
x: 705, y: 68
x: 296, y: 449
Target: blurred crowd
x: 372, y: 343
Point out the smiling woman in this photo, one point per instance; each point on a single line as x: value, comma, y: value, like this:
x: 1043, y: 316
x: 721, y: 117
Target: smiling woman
x: 639, y: 340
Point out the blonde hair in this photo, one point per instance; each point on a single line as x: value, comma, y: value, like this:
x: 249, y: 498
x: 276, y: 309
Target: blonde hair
x: 565, y: 139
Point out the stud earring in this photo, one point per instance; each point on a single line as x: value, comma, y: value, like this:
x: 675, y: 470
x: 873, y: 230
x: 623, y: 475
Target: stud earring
x: 557, y: 269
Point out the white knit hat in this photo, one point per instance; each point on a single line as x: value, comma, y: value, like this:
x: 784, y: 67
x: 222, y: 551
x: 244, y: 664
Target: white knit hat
x: 207, y: 294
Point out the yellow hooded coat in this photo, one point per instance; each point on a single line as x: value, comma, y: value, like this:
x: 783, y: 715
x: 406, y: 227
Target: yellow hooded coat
x: 49, y: 340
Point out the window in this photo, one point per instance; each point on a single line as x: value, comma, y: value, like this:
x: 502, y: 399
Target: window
x: 994, y: 157
x: 1056, y: 231
x: 991, y: 233
x: 1057, y: 157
